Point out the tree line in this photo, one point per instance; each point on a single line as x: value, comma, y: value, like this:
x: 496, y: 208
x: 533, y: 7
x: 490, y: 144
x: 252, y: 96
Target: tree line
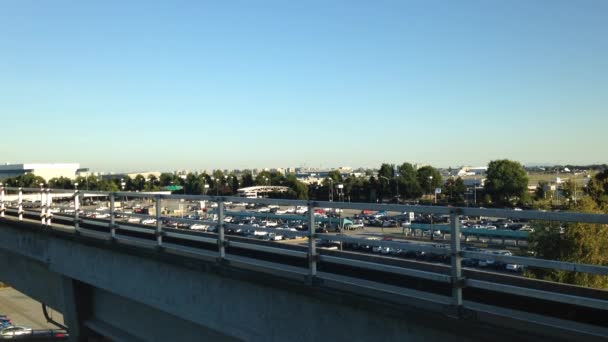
x: 506, y: 185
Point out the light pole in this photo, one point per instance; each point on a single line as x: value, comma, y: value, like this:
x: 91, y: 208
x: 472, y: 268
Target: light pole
x: 475, y: 189
x: 122, y: 186
x: 217, y: 190
x: 388, y: 181
x: 41, y: 194
x: 431, y: 187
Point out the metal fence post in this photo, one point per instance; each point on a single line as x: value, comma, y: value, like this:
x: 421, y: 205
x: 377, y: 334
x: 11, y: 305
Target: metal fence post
x: 457, y: 279
x: 49, y: 205
x: 221, y: 242
x: 113, y: 215
x: 159, y: 222
x: 76, y: 211
x: 2, y: 208
x: 312, y: 247
x: 20, y: 204
x: 42, y: 206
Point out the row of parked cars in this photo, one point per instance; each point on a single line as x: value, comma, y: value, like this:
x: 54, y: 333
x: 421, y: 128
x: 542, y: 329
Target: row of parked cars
x: 427, y: 256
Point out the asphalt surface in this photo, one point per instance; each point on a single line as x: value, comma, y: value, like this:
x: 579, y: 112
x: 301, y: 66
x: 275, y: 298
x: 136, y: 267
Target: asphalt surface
x: 24, y: 311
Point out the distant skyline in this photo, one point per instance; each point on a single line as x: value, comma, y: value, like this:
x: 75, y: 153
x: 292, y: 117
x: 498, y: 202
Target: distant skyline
x: 139, y: 85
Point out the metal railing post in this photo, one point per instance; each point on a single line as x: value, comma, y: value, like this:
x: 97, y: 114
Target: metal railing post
x: 20, y: 204
x: 159, y: 222
x: 113, y: 216
x: 49, y: 205
x: 76, y: 211
x: 221, y: 241
x: 312, y: 247
x: 2, y: 208
x: 42, y: 207
x: 456, y: 258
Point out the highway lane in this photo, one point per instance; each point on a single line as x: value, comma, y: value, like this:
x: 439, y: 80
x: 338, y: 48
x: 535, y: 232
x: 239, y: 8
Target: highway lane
x: 25, y: 311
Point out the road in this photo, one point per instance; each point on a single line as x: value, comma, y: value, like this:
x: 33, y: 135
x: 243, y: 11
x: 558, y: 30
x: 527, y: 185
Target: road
x: 24, y: 311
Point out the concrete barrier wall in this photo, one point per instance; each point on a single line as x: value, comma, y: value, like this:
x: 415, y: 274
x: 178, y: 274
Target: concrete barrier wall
x: 221, y: 306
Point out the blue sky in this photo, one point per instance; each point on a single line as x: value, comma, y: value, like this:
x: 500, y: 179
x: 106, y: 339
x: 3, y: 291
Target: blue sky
x: 139, y: 85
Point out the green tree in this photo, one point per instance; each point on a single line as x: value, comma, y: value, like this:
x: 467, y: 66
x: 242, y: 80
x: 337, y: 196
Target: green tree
x: 506, y: 182
x: 335, y: 176
x: 597, y: 188
x: 153, y: 184
x: 61, y: 183
x: 408, y: 184
x: 28, y: 180
x: 165, y: 179
x: 568, y: 188
x: 264, y: 178
x: 454, y: 189
x: 429, y: 179
x: 540, y: 193
x: 385, y: 179
x: 247, y: 179
x: 300, y: 189
x: 583, y: 243
x: 192, y: 184
x: 139, y: 182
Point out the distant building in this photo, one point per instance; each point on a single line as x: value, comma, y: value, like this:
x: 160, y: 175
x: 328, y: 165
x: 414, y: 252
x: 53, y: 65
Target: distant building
x: 46, y: 171
x: 472, y: 171
x: 474, y: 182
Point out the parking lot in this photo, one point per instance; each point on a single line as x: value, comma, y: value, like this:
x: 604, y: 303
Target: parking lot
x: 283, y: 224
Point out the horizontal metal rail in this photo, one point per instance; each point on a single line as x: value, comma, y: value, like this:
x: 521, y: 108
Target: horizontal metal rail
x: 191, y: 237
x: 545, y: 295
x: 499, y: 213
x: 267, y: 249
x: 186, y: 220
x: 136, y: 215
x: 407, y: 246
x: 94, y: 222
x: 150, y: 230
x: 95, y: 234
x: 550, y: 264
x: 280, y: 231
x: 387, y: 268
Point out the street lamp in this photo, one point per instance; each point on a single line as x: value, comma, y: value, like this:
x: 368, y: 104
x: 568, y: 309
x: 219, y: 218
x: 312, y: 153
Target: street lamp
x: 388, y: 181
x: 331, y: 189
x: 217, y: 190
x: 433, y: 190
x: 41, y: 189
x: 122, y: 186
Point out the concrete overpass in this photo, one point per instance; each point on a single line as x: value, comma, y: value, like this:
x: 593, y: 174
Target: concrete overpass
x: 136, y: 283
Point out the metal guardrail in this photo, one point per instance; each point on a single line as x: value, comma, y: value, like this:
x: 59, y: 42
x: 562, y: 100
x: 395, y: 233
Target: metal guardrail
x: 456, y: 254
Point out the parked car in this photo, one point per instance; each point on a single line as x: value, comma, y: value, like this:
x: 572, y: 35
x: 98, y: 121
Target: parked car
x: 14, y: 331
x: 197, y: 226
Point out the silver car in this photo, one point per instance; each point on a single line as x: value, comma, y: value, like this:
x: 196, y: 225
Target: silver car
x: 14, y: 331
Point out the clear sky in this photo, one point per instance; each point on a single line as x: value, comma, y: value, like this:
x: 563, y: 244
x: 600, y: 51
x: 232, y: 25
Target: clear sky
x: 151, y: 85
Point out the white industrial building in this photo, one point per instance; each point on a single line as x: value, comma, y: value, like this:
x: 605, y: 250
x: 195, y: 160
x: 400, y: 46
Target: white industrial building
x: 46, y: 171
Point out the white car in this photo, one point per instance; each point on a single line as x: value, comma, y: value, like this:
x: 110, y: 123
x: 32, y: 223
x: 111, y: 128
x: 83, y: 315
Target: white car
x: 197, y: 226
x: 514, y: 267
x: 149, y: 221
x: 14, y: 331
